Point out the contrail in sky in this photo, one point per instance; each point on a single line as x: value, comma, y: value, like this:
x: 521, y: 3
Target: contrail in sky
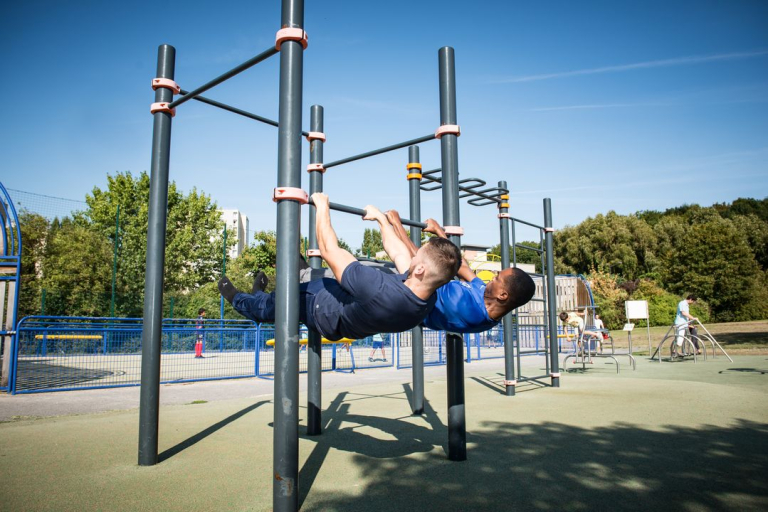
x: 679, y: 61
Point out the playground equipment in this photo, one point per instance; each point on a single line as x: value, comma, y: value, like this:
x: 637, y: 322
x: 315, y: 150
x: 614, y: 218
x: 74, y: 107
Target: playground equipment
x: 688, y: 348
x: 516, y: 322
x: 586, y: 345
x: 290, y: 42
x: 10, y: 273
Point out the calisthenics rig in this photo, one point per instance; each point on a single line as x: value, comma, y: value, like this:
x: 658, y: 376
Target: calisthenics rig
x: 291, y: 40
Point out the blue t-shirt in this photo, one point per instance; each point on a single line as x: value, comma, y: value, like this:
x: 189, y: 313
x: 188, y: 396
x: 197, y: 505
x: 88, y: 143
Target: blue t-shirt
x: 366, y: 302
x: 460, y: 307
x: 681, y: 306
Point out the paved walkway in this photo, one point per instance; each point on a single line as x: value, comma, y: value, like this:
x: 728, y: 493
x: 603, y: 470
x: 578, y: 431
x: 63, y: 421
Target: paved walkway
x: 674, y: 436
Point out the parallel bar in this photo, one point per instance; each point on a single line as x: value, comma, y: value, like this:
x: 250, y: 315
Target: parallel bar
x: 509, y: 349
x: 432, y: 179
x: 314, y: 340
x: 285, y: 458
x: 221, y: 78
x: 380, y: 151
x: 454, y: 343
x: 238, y: 111
x: 551, y: 293
x: 526, y: 223
x: 417, y: 334
x: 151, y: 335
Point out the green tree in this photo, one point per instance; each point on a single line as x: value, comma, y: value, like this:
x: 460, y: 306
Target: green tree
x: 714, y: 261
x: 34, y: 232
x: 371, y: 243
x: 194, y: 242
x: 618, y: 244
x: 76, y: 271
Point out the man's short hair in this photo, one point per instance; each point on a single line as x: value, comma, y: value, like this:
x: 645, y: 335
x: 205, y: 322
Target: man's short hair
x: 520, y: 288
x: 692, y: 297
x: 201, y: 311
x: 445, y: 258
x: 563, y: 316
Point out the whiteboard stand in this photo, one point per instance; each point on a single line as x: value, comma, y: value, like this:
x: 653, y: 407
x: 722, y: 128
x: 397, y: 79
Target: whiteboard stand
x: 638, y: 310
x: 628, y: 328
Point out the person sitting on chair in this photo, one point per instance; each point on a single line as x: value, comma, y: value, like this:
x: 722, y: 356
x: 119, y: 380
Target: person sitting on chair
x: 575, y: 319
x: 360, y: 301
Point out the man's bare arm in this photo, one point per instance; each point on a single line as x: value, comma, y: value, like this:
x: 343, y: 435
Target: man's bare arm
x: 394, y: 219
x: 337, y: 258
x: 395, y: 248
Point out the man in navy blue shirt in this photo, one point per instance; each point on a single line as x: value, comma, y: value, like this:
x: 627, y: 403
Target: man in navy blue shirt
x: 360, y: 301
x: 470, y: 305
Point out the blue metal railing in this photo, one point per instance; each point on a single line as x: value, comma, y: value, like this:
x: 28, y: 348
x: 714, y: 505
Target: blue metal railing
x: 10, y: 261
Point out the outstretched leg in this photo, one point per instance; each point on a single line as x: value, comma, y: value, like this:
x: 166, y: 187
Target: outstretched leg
x: 259, y: 306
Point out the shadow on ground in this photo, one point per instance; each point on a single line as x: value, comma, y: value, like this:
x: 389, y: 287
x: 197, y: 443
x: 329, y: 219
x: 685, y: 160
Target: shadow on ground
x: 43, y: 374
x: 734, y: 338
x: 549, y: 466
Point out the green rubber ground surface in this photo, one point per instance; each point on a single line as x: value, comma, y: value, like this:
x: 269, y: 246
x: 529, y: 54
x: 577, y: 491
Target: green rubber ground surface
x: 670, y: 436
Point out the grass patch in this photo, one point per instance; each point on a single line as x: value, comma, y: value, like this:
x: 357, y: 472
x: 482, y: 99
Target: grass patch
x: 195, y: 402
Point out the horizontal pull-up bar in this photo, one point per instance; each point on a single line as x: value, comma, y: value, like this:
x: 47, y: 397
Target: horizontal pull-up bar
x: 380, y: 151
x: 238, y: 111
x: 229, y: 74
x: 528, y: 247
x: 526, y: 223
x: 361, y: 212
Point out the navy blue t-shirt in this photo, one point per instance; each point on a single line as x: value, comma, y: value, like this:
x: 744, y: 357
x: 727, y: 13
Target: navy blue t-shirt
x: 366, y: 302
x: 460, y: 307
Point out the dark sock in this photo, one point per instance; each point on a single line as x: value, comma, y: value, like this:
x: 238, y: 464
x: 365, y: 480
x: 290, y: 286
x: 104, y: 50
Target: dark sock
x: 260, y: 282
x: 227, y: 289
x: 303, y: 265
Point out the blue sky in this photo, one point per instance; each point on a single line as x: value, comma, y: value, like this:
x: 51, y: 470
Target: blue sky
x: 599, y: 105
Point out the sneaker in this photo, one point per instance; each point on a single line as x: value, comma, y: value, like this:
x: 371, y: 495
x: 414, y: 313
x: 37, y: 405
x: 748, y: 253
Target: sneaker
x: 260, y: 282
x: 227, y: 289
x: 370, y: 359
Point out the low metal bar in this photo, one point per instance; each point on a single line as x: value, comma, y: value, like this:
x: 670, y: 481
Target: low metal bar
x: 361, y: 212
x: 226, y: 76
x: 523, y: 246
x: 380, y: 151
x: 526, y: 223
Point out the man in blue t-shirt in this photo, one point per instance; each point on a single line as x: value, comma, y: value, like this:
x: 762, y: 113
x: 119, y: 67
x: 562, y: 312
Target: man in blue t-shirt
x: 470, y: 305
x: 360, y: 301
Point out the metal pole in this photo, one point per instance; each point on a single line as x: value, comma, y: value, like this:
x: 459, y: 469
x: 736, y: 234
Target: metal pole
x: 551, y: 294
x: 285, y: 460
x: 114, y: 263
x: 386, y: 149
x: 223, y: 271
x: 153, y: 285
x: 454, y: 343
x: 314, y: 340
x: 508, y: 324
x: 417, y: 334
x: 269, y: 52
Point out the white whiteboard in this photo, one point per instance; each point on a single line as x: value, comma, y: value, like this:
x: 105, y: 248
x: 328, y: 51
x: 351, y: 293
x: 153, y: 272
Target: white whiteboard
x: 636, y: 309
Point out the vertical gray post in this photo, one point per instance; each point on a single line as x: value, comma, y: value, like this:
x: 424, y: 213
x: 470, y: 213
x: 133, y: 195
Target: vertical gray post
x: 285, y: 460
x: 417, y: 335
x: 551, y: 294
x: 509, y: 349
x: 314, y: 340
x: 449, y: 154
x: 149, y: 404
